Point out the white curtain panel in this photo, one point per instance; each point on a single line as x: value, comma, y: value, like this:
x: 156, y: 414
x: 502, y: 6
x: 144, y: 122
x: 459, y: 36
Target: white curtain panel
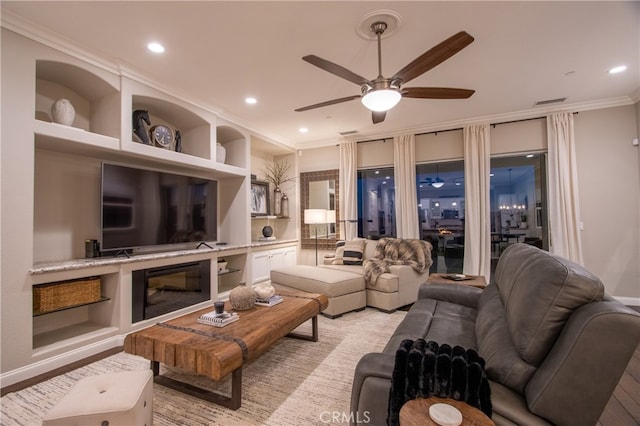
x: 348, y: 190
x: 477, y: 215
x: 564, y: 208
x: 404, y: 164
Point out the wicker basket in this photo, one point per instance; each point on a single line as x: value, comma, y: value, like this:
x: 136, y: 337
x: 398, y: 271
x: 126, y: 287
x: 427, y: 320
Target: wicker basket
x: 64, y: 294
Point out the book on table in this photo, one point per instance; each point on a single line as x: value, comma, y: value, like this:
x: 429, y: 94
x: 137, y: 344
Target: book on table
x: 218, y: 320
x: 271, y: 301
x: 458, y: 277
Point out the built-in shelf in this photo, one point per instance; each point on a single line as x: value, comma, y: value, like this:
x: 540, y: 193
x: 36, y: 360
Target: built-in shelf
x: 71, y: 335
x: 102, y: 299
x: 228, y: 271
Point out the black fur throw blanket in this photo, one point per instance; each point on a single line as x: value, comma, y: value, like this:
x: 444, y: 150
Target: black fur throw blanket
x: 397, y: 251
x: 424, y: 369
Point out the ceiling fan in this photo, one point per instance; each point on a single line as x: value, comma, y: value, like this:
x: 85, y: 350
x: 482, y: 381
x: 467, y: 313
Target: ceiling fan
x: 382, y: 94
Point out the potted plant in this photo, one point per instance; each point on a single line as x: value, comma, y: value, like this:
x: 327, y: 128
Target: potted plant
x: 523, y: 221
x: 277, y: 174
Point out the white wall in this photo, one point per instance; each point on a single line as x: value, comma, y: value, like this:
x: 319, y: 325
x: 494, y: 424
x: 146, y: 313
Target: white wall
x: 609, y: 197
x: 610, y: 212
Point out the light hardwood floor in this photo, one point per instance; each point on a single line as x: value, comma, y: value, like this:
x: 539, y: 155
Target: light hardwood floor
x: 623, y: 408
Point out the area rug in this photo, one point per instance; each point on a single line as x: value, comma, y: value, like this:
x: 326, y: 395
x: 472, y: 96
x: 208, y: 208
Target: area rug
x: 294, y: 383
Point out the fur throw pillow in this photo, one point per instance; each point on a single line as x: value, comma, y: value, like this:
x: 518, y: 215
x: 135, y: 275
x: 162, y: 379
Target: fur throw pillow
x: 424, y: 369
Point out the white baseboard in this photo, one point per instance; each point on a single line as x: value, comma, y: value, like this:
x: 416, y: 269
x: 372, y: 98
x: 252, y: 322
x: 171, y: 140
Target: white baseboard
x: 629, y: 301
x: 58, y: 361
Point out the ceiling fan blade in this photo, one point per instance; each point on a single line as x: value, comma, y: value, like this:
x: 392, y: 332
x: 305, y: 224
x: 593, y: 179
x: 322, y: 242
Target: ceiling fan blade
x: 434, y: 56
x: 378, y: 116
x: 327, y: 103
x: 436, y: 93
x: 335, y: 69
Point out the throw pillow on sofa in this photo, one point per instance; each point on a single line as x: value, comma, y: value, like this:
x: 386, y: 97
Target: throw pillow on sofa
x: 349, y: 253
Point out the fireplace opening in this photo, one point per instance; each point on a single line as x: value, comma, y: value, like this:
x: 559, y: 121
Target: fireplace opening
x: 158, y: 291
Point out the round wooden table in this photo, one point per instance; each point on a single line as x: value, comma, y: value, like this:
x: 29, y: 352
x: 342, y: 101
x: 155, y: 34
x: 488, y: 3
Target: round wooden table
x: 416, y: 412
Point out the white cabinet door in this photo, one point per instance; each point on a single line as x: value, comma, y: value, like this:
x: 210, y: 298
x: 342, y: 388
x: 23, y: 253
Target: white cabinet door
x: 260, y: 266
x: 290, y: 256
x: 277, y: 259
x: 263, y: 262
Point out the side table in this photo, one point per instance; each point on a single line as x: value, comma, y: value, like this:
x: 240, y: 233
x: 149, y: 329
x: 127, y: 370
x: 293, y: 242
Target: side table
x: 416, y: 412
x: 473, y: 280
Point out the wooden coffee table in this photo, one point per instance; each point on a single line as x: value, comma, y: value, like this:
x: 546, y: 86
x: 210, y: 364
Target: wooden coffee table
x: 215, y: 352
x: 416, y: 413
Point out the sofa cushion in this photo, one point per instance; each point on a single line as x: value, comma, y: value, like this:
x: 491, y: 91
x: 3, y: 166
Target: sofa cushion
x: 523, y: 311
x: 312, y: 279
x: 370, y: 248
x: 349, y: 253
x: 539, y: 292
x: 504, y: 363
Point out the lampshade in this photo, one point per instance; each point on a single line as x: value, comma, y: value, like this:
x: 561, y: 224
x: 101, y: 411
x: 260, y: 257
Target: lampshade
x: 381, y: 100
x: 437, y: 183
x: 313, y: 216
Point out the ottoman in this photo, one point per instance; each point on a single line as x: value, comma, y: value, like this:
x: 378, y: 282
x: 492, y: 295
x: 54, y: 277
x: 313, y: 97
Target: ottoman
x: 123, y: 398
x: 345, y: 290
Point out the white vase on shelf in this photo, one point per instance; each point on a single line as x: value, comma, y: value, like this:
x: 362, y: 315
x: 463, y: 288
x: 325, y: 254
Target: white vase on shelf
x: 221, y: 153
x: 62, y: 112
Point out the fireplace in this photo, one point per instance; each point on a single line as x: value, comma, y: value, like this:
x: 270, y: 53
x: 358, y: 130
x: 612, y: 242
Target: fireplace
x: 158, y: 291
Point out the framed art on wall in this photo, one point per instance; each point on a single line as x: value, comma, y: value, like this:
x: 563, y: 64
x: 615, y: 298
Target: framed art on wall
x: 259, y: 198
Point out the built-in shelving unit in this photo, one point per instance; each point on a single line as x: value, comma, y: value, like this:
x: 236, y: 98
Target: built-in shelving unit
x: 65, y: 189
x: 56, y: 197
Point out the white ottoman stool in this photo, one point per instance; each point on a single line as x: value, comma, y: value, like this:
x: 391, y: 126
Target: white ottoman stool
x: 124, y: 398
x: 345, y: 290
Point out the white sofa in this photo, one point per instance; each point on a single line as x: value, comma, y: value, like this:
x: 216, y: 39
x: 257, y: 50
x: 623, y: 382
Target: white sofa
x: 346, y: 286
x: 393, y: 289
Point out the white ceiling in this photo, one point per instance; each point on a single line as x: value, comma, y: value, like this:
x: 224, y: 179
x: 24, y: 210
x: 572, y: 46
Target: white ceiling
x: 218, y: 53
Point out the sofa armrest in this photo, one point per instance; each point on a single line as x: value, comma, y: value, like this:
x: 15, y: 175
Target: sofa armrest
x: 328, y: 259
x: 407, y: 273
x: 454, y: 293
x: 370, y: 389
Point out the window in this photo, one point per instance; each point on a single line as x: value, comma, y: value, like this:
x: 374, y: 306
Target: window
x: 518, y: 203
x: 376, y: 203
x: 441, y: 213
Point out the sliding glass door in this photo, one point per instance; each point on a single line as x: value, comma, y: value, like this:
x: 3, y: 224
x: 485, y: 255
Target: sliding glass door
x: 440, y: 189
x: 518, y: 202
x: 376, y: 203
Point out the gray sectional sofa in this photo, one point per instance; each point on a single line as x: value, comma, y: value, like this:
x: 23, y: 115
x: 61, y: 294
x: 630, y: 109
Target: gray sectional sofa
x: 555, y: 345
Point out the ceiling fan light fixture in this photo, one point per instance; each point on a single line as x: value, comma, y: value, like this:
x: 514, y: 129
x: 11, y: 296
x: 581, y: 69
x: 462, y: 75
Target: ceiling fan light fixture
x: 437, y: 183
x: 381, y: 100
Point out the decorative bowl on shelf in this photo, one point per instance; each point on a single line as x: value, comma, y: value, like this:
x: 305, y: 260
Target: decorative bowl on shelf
x: 222, y: 266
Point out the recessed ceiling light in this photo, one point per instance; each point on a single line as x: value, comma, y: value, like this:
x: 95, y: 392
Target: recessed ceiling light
x: 303, y: 130
x: 529, y: 156
x: 251, y: 100
x: 616, y: 70
x: 155, y: 47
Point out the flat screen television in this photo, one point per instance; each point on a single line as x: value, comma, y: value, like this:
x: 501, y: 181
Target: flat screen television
x: 142, y: 208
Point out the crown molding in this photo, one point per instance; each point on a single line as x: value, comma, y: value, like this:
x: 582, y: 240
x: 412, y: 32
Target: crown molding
x: 44, y: 36
x: 489, y: 119
x: 29, y: 29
